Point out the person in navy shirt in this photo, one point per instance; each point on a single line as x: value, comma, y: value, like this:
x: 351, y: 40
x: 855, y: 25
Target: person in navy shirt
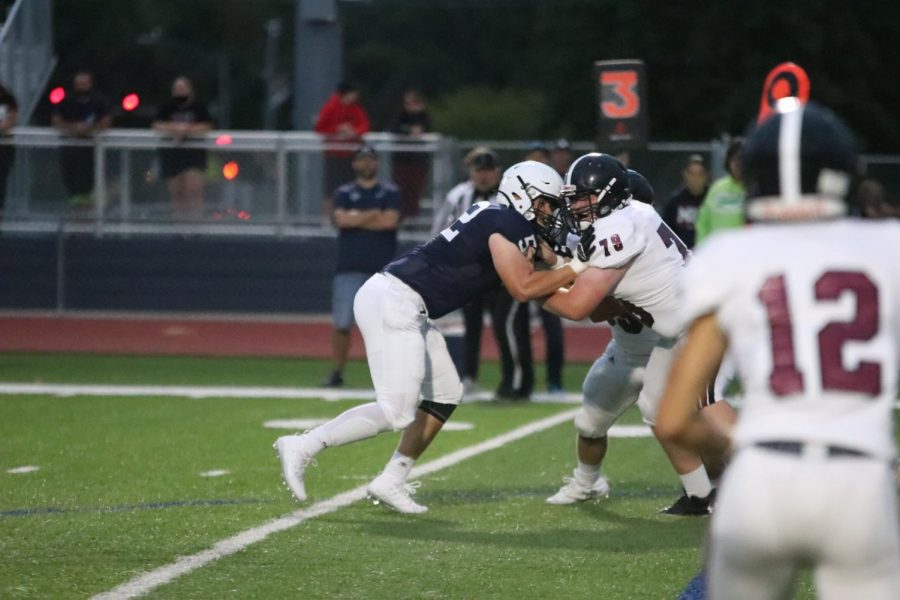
x: 81, y: 115
x: 367, y: 214
x: 490, y: 245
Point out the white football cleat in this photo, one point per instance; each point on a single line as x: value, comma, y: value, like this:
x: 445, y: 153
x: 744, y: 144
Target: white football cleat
x: 573, y: 491
x: 395, y: 494
x: 293, y: 463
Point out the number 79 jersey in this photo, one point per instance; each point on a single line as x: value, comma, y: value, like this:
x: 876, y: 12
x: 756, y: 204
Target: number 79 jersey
x: 812, y: 315
x: 635, y: 233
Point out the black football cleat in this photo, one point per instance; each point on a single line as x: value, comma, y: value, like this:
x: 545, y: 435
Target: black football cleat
x: 691, y: 506
x: 335, y: 380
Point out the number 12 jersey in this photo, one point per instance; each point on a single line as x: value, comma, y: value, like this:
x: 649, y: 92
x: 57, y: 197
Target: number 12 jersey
x: 812, y: 315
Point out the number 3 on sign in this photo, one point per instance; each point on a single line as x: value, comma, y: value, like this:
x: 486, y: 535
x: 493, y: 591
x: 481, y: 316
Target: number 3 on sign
x: 620, y: 98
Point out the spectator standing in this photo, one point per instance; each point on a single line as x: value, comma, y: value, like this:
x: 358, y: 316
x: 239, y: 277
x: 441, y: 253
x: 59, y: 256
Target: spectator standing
x: 184, y: 169
x: 723, y: 206
x: 9, y: 115
x: 83, y: 113
x: 561, y: 156
x: 410, y: 169
x: 552, y: 324
x: 367, y: 214
x: 507, y: 316
x: 874, y: 202
x: 682, y: 209
x: 539, y: 152
x: 341, y: 120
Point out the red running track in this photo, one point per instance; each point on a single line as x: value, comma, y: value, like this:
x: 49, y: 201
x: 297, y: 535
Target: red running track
x: 231, y: 336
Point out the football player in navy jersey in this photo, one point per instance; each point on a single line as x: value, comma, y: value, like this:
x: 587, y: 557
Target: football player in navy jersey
x: 491, y: 244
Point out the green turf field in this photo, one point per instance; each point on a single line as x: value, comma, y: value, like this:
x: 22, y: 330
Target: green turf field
x: 119, y: 493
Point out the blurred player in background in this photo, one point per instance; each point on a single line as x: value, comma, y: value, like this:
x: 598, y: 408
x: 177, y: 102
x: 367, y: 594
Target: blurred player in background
x: 809, y: 304
x: 636, y: 260
x: 723, y: 207
x: 682, y: 209
x: 491, y: 244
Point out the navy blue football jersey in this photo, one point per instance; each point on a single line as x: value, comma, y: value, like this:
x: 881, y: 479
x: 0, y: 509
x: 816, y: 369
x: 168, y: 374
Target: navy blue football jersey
x: 456, y: 265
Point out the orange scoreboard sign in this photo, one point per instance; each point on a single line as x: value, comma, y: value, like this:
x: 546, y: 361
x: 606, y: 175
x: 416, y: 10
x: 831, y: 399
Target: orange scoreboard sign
x: 621, y: 92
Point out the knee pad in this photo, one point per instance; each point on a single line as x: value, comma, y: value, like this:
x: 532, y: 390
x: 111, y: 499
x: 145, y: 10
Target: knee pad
x: 399, y: 414
x: 593, y: 423
x: 439, y: 411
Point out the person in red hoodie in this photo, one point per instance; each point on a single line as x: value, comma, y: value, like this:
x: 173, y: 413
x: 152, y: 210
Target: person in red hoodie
x: 343, y: 121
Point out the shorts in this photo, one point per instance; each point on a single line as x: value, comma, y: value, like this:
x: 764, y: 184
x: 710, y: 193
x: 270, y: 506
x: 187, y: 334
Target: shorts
x: 343, y: 291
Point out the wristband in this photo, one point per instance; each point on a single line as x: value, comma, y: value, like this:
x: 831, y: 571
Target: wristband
x: 560, y: 262
x: 577, y: 266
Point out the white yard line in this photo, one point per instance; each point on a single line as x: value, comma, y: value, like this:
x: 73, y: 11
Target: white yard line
x: 153, y: 579
x: 328, y: 394
x: 66, y: 390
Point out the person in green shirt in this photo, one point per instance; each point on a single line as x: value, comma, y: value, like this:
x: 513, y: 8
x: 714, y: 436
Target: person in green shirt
x: 723, y: 206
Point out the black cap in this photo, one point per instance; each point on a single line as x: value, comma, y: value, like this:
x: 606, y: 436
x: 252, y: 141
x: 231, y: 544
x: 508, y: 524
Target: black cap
x: 694, y: 159
x: 364, y: 150
x: 484, y: 160
x: 562, y: 144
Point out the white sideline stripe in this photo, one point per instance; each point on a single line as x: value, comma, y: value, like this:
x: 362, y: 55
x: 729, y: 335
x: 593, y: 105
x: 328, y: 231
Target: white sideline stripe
x: 65, y: 390
x: 327, y: 394
x: 185, y: 564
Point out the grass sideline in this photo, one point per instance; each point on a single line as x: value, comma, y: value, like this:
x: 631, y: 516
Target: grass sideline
x: 119, y: 492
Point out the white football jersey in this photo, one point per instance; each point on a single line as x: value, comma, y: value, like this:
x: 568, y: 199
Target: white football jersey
x: 635, y: 231
x: 812, y: 314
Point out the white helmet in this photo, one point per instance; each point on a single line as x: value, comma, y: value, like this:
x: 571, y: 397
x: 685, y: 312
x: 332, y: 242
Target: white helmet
x: 525, y: 182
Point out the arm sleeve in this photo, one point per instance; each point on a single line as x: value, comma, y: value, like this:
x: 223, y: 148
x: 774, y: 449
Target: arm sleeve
x: 516, y: 230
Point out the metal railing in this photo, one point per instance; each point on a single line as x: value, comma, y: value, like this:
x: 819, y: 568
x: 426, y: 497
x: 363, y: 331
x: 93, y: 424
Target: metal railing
x: 279, y: 187
x: 275, y: 185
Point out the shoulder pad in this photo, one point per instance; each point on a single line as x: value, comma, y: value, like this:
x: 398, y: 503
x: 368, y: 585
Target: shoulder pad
x: 616, y: 241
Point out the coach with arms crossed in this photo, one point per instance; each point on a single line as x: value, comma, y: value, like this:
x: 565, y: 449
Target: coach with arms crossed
x: 367, y: 214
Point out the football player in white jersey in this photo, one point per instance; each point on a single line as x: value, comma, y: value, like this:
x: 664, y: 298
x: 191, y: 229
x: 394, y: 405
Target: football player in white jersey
x: 809, y: 304
x: 636, y: 259
x: 611, y: 387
